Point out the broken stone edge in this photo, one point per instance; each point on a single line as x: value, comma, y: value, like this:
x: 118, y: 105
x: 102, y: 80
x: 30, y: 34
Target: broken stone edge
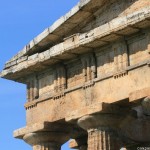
x: 33, y: 44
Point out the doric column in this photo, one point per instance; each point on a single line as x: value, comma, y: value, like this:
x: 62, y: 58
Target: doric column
x: 46, y: 140
x: 102, y: 131
x: 103, y: 138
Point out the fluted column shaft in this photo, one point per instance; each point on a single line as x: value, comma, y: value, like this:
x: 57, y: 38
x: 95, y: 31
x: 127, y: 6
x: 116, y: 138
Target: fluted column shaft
x: 102, y: 139
x: 46, y: 146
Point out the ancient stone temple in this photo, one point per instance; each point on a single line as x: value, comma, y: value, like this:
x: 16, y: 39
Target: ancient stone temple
x: 88, y: 78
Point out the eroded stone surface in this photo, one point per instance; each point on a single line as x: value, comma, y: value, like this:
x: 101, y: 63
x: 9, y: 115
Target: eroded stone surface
x: 90, y: 81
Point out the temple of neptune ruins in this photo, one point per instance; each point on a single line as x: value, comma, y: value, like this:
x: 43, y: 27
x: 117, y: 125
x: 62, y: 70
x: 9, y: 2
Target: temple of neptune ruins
x: 88, y: 78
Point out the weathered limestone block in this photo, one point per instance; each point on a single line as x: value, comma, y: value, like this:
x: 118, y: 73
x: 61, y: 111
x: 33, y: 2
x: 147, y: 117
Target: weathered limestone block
x: 89, y: 66
x: 32, y: 88
x: 60, y: 78
x: 121, y: 56
x: 71, y: 41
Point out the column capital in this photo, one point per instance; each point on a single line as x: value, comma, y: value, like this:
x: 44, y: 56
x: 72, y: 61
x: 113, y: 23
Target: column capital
x: 46, y: 140
x: 46, y: 137
x: 98, y: 121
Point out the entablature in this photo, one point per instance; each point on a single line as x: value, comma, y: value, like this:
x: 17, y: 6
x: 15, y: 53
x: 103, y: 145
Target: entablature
x: 103, y: 35
x: 64, y: 27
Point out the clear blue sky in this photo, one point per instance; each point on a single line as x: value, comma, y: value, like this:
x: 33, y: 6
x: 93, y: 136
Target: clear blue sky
x: 20, y: 22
